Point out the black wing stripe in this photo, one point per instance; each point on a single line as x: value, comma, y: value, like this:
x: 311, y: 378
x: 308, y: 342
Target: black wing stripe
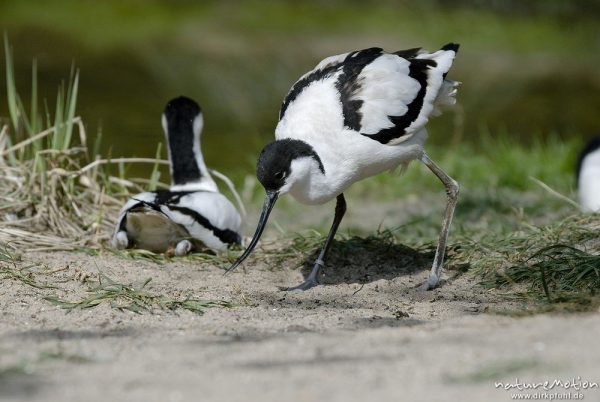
x: 348, y: 85
x: 225, y: 235
x: 171, y: 197
x: 152, y: 205
x: 418, y: 70
x: 451, y: 46
x: 167, y: 197
x: 408, y: 53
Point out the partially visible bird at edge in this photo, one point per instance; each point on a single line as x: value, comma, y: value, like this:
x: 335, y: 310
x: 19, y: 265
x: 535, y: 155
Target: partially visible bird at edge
x: 588, y: 176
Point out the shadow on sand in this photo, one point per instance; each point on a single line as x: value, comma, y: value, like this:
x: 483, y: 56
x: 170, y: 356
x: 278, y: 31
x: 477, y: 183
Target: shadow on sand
x: 368, y: 259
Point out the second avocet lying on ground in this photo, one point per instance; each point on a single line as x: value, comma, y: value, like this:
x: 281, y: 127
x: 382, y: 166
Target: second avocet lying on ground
x: 192, y: 214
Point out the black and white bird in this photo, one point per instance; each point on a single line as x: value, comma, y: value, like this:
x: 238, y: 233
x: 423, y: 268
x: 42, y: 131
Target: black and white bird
x: 588, y: 176
x: 193, y: 213
x: 353, y: 116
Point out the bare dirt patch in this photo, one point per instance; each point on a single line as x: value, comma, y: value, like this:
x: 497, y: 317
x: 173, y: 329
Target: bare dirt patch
x: 368, y: 334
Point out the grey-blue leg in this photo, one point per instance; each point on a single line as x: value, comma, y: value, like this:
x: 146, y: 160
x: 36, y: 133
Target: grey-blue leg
x: 452, y: 189
x: 312, y: 280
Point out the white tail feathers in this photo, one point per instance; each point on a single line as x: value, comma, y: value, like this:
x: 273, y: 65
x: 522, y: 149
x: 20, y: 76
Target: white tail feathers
x: 445, y: 97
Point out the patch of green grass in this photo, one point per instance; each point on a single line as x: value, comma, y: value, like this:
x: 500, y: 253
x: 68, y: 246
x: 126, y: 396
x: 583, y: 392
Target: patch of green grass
x: 551, y: 262
x: 29, y: 125
x: 134, y: 298
x: 41, y: 176
x: 558, y: 274
x: 10, y: 269
x: 492, y: 252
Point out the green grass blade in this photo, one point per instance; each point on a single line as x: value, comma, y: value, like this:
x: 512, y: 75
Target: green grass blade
x: 97, y: 143
x: 24, y: 119
x: 59, y: 120
x: 36, y: 123
x: 11, y: 90
x: 47, y: 114
x: 12, y: 158
x: 71, y: 105
x: 155, y: 176
x: 133, y: 298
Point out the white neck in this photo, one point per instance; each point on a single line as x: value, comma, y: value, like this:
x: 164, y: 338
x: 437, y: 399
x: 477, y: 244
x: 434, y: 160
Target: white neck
x: 205, y: 182
x: 308, y: 184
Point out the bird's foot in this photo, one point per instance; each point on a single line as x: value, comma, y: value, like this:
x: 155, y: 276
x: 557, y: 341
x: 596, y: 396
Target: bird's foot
x: 307, y: 284
x: 120, y: 240
x: 432, y: 282
x: 183, y: 248
x: 312, y: 280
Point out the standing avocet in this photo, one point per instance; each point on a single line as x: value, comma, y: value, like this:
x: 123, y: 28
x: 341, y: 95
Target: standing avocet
x: 192, y: 214
x: 353, y: 116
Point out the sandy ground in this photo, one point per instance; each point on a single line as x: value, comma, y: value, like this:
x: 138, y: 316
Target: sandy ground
x: 368, y: 334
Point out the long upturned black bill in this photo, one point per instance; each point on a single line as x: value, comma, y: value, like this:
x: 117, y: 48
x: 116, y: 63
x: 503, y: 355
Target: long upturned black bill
x: 267, y: 207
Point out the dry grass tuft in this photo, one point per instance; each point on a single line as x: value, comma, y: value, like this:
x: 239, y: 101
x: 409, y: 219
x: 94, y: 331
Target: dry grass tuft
x: 48, y: 203
x: 57, y: 193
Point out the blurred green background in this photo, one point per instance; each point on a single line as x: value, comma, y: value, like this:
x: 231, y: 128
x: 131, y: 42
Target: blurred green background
x: 529, y: 68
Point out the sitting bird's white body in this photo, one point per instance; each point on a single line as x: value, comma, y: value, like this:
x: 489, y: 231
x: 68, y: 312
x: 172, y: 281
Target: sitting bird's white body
x: 353, y: 116
x: 588, y: 177
x: 192, y: 214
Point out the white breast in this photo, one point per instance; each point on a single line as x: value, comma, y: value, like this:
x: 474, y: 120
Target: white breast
x: 348, y: 157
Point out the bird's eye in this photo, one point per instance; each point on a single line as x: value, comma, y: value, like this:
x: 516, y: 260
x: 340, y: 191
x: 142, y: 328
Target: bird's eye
x: 279, y: 175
